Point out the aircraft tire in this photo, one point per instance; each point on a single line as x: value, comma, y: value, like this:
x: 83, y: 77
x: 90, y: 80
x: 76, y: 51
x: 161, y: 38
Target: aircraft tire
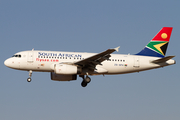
x: 84, y: 84
x: 87, y: 79
x: 29, y: 79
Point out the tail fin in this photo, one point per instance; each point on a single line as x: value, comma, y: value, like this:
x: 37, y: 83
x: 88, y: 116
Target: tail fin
x: 158, y: 45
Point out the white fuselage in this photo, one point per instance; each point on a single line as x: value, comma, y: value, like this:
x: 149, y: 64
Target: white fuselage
x: 43, y: 61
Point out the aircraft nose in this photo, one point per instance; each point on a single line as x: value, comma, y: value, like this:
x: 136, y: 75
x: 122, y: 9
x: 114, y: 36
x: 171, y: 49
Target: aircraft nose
x: 7, y: 62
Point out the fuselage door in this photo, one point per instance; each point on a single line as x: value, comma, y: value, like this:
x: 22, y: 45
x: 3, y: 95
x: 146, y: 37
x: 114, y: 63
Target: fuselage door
x: 136, y: 62
x: 30, y: 56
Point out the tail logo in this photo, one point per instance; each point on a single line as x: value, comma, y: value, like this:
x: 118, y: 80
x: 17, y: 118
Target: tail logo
x: 164, y: 35
x: 158, y: 45
x: 161, y: 47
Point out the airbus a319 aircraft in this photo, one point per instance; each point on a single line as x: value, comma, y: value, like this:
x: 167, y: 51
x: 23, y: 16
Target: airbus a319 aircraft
x: 66, y: 66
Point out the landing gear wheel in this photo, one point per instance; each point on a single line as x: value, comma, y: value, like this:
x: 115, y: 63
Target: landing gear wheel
x: 87, y: 79
x: 84, y: 84
x: 30, y: 74
x: 29, y: 79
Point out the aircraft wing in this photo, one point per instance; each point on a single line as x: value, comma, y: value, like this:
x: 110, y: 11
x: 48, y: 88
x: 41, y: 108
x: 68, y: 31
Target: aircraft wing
x: 94, y: 60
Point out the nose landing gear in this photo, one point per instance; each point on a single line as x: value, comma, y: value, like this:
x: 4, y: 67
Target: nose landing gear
x: 30, y: 74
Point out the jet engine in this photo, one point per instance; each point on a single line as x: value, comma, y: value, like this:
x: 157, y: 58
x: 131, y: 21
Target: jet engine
x: 65, y: 69
x: 57, y: 77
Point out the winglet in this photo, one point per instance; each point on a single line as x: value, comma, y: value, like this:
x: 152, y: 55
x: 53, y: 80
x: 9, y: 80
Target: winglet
x: 117, y: 48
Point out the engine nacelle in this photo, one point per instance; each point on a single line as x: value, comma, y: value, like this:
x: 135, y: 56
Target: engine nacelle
x: 57, y: 77
x: 65, y: 69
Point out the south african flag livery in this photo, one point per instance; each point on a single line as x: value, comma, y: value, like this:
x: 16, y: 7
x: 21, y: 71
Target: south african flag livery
x: 158, y: 45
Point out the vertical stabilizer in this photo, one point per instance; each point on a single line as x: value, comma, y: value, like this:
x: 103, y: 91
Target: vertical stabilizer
x: 158, y: 45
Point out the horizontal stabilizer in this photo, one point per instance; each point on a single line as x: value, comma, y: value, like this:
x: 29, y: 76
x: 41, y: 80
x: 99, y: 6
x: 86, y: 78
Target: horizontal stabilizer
x: 161, y: 60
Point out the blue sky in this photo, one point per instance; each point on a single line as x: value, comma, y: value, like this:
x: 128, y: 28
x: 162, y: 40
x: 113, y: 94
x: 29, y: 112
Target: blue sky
x: 88, y: 26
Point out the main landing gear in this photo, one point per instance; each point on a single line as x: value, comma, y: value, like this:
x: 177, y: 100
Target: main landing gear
x: 30, y: 74
x: 85, y: 81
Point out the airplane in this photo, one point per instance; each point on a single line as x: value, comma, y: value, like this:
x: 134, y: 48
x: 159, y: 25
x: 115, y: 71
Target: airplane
x: 66, y: 66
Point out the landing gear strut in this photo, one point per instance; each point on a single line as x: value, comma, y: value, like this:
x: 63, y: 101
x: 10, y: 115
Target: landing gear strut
x: 85, y: 81
x: 30, y: 74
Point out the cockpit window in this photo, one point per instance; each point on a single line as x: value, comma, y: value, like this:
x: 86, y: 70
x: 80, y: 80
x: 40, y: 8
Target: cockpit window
x: 18, y: 55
